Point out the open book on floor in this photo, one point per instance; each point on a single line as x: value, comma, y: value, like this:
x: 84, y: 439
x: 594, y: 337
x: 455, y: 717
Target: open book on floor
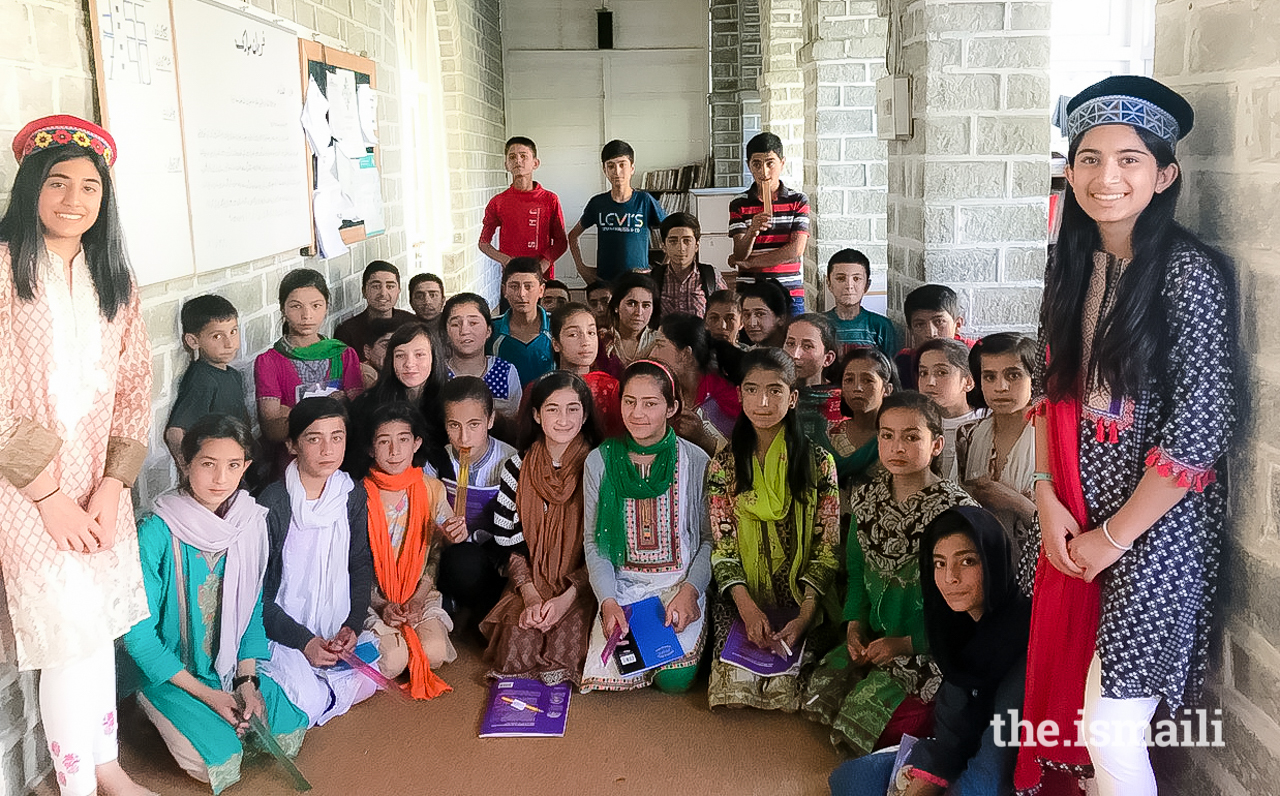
x: 739, y: 651
x: 521, y: 708
x: 651, y: 643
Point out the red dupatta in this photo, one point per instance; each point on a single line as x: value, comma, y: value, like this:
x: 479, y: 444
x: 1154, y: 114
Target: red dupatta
x: 1064, y: 623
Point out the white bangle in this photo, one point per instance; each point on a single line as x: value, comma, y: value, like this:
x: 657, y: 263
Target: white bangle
x: 1107, y: 533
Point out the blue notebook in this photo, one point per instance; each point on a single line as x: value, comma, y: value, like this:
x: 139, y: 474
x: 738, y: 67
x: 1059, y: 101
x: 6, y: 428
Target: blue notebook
x: 650, y: 643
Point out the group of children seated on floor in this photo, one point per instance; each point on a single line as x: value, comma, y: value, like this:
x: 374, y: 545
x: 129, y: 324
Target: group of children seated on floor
x: 751, y: 467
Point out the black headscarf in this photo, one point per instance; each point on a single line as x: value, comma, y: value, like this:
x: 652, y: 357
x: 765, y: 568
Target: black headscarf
x: 975, y: 655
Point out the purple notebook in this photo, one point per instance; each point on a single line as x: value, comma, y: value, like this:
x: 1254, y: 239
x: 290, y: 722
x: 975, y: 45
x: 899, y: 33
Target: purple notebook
x: 520, y: 708
x: 897, y: 788
x: 739, y: 651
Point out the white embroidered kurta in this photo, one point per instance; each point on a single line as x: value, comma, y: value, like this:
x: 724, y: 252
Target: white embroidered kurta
x: 69, y: 375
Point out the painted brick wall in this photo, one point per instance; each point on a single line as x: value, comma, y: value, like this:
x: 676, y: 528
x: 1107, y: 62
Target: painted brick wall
x: 471, y: 68
x: 364, y: 26
x: 845, y: 166
x: 1222, y: 57
x: 968, y: 191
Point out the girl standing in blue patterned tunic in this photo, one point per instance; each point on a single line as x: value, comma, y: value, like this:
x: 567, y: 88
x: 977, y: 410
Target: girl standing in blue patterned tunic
x: 1139, y: 326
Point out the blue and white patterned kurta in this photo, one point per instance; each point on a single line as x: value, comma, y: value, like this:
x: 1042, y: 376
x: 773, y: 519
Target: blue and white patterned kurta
x: 1153, y: 635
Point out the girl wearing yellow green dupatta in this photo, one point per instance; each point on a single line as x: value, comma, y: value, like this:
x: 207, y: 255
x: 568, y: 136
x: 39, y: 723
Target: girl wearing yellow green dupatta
x: 775, y: 514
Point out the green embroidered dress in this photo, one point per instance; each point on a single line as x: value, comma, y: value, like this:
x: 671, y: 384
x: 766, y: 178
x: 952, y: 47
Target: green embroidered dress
x: 884, y: 595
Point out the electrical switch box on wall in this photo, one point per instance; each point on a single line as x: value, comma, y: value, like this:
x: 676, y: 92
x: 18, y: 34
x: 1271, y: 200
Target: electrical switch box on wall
x: 893, y: 107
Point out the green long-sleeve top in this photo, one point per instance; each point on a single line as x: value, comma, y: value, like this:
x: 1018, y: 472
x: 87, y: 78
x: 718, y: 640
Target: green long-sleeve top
x: 155, y: 643
x: 882, y: 556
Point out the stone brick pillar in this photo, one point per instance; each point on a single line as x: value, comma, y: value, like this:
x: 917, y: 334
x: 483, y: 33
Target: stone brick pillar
x: 845, y: 163
x: 726, y: 76
x: 968, y: 190
x: 1222, y: 58
x: 751, y: 59
x: 781, y: 82
x: 735, y: 99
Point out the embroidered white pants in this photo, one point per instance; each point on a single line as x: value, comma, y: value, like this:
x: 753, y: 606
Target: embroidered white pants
x: 78, y: 708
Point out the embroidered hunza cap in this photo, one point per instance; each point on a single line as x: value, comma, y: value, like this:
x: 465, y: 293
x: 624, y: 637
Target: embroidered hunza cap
x: 1133, y: 100
x: 58, y: 130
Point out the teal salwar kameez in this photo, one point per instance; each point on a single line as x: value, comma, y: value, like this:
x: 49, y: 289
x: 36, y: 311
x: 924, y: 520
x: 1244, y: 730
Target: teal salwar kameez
x: 190, y: 602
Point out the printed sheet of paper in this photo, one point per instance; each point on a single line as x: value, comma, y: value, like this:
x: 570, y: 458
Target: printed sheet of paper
x: 344, y: 116
x: 315, y: 121
x: 367, y: 103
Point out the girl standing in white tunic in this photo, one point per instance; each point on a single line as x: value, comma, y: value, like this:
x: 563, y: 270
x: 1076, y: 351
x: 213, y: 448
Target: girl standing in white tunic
x: 75, y: 383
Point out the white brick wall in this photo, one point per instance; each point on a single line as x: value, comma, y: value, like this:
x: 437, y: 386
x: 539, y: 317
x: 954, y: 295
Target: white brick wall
x: 364, y: 26
x: 471, y: 67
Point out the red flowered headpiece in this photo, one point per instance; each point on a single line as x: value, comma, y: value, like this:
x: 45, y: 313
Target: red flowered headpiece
x: 58, y: 130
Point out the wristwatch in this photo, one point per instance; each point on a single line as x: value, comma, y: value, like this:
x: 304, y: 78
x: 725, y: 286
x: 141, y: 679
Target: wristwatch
x: 236, y: 682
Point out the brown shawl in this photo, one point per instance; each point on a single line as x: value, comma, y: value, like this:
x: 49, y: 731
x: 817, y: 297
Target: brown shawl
x: 549, y: 502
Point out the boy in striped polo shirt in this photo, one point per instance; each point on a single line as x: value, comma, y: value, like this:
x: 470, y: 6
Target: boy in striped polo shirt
x: 770, y: 222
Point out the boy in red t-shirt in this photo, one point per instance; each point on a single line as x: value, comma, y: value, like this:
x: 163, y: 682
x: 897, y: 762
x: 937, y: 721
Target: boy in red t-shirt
x: 530, y: 216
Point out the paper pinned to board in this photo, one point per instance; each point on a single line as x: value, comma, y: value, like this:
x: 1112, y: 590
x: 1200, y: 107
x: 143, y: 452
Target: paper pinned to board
x: 315, y: 112
x: 367, y: 105
x: 344, y: 116
x: 362, y: 187
x: 348, y: 168
x: 327, y: 204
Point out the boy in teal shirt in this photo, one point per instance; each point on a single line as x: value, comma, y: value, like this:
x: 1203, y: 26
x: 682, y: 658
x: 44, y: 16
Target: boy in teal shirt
x: 848, y: 279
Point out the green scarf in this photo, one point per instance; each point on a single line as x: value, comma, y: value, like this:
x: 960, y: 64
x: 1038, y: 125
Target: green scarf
x: 759, y: 511
x: 325, y: 348
x: 622, y: 480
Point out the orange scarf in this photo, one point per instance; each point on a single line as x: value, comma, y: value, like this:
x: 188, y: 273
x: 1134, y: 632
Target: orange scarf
x: 399, y: 577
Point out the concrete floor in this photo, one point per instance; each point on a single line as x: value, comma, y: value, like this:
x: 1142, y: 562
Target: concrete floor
x: 630, y: 744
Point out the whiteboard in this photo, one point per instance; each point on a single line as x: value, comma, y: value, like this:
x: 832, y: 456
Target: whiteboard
x: 139, y: 95
x: 238, y: 80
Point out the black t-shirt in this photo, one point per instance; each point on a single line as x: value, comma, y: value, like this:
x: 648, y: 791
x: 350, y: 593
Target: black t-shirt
x: 205, y: 390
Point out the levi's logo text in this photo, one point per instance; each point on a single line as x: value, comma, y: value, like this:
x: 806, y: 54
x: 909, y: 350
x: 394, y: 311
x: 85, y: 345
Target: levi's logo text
x: 621, y: 222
